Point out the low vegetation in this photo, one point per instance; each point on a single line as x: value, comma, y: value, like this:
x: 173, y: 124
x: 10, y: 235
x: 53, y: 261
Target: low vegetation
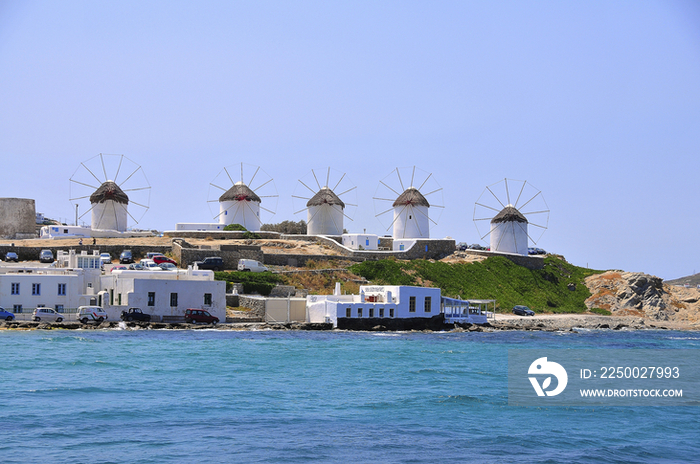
x: 253, y: 282
x: 557, y: 288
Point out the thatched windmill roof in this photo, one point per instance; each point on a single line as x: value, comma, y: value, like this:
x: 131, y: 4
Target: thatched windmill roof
x: 239, y: 192
x: 509, y: 214
x: 411, y: 197
x: 109, y: 191
x: 325, y: 196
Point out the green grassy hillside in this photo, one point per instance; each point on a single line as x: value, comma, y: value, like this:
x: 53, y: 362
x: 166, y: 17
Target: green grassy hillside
x: 558, y: 287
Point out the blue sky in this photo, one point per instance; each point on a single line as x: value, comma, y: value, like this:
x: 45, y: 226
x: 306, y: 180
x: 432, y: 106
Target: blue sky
x: 596, y: 104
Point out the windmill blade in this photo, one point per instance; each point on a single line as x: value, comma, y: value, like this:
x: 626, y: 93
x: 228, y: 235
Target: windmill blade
x: 350, y: 204
x: 328, y: 176
x: 303, y: 209
x: 425, y: 215
x: 252, y: 178
x: 494, y: 195
x: 397, y: 216
x: 536, y: 212
x: 507, y: 191
x: 337, y: 184
x: 268, y: 196
x: 103, y: 166
x: 263, y: 185
x: 138, y: 204
x: 413, y: 175
x: 130, y: 175
x: 383, y: 199
x: 314, y: 174
x: 483, y: 219
x: 382, y: 182
x: 136, y: 189
x: 132, y: 217
x: 121, y: 158
x: 519, y: 194
x: 80, y: 198
x: 93, y: 174
x: 528, y: 201
x: 384, y: 212
x: 400, y: 181
x: 310, y: 189
x: 537, y: 225
x: 426, y: 180
x: 229, y: 176
x: 86, y: 185
x: 91, y: 208
x: 488, y: 207
x: 302, y: 198
x: 434, y: 191
x: 348, y: 190
x: 214, y: 185
x: 268, y: 210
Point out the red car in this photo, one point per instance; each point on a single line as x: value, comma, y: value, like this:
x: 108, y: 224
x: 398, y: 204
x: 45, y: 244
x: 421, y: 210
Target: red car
x: 193, y: 316
x: 160, y: 259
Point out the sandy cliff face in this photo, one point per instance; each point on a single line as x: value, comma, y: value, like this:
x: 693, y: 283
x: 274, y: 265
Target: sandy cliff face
x: 638, y: 294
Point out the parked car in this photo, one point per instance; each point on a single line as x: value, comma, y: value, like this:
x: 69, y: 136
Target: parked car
x: 160, y: 259
x: 118, y: 268
x: 8, y: 316
x: 151, y: 254
x: 214, y: 263
x: 461, y: 246
x: 11, y: 256
x: 46, y: 314
x: 251, y: 265
x: 167, y: 266
x: 192, y: 316
x: 523, y: 311
x: 136, y: 267
x: 135, y: 314
x: 105, y: 258
x: 91, y: 314
x: 149, y: 265
x: 536, y: 251
x: 46, y: 256
x: 126, y: 257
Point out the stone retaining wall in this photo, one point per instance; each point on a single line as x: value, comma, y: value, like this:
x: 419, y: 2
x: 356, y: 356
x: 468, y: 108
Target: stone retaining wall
x: 185, y: 254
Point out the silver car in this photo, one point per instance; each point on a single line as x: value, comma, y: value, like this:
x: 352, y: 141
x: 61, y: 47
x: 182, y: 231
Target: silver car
x: 46, y: 314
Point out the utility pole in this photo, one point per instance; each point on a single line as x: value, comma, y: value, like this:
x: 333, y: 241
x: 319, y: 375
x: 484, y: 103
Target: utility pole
x: 76, y: 214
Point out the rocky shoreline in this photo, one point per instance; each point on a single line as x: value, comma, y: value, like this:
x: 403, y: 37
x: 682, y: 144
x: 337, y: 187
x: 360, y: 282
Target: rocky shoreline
x: 545, y: 323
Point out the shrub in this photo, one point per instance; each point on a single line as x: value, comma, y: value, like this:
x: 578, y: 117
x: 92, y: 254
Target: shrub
x: 235, y: 227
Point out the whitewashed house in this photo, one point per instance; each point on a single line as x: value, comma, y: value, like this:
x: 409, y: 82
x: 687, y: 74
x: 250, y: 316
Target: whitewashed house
x: 390, y: 301
x: 361, y: 241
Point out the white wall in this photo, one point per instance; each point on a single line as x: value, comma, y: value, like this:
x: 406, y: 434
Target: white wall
x: 366, y: 241
x: 202, y: 226
x: 411, y: 222
x: 74, y: 280
x: 109, y: 215
x: 245, y: 213
x: 324, y: 220
x: 509, y: 237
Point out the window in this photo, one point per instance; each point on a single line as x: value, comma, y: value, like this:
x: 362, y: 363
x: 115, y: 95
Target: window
x: 348, y: 312
x: 36, y: 289
x: 15, y: 288
x: 17, y: 309
x: 61, y: 289
x: 173, y: 299
x: 58, y: 308
x: 426, y: 304
x: 412, y: 304
x: 359, y: 312
x: 381, y: 312
x: 391, y: 312
x: 151, y: 298
x: 207, y: 299
x: 371, y: 312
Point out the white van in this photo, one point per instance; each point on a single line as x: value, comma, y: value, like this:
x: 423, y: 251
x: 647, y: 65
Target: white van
x: 251, y: 265
x: 91, y: 313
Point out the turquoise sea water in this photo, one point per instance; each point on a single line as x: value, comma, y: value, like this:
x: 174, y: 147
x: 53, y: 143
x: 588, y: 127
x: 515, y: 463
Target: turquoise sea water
x: 266, y: 396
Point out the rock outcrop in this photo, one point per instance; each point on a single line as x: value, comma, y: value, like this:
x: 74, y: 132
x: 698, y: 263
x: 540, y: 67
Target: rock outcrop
x: 643, y: 295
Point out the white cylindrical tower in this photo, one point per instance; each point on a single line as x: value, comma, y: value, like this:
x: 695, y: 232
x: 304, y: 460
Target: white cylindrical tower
x: 411, y: 215
x: 109, y: 207
x: 240, y: 205
x: 509, y: 231
x: 325, y: 213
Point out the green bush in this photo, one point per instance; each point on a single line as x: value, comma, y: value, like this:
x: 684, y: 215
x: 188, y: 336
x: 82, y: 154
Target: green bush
x: 601, y: 311
x: 235, y: 227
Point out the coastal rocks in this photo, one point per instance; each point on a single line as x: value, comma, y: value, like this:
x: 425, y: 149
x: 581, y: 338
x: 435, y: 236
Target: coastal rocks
x: 638, y: 294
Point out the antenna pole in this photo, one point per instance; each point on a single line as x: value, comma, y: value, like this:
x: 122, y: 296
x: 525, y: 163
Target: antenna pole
x: 76, y: 214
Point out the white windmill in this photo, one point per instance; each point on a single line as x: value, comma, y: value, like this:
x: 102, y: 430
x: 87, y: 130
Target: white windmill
x: 411, y: 217
x: 105, y: 179
x: 241, y: 203
x: 325, y: 208
x: 506, y: 210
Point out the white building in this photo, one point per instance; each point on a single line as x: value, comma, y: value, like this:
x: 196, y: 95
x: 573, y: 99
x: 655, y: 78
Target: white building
x: 391, y: 301
x: 78, y: 281
x: 240, y: 205
x: 509, y: 231
x: 361, y: 241
x: 325, y: 213
x: 411, y: 218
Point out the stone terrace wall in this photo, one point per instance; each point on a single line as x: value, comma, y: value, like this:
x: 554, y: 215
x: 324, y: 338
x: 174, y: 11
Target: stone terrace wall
x: 186, y: 254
